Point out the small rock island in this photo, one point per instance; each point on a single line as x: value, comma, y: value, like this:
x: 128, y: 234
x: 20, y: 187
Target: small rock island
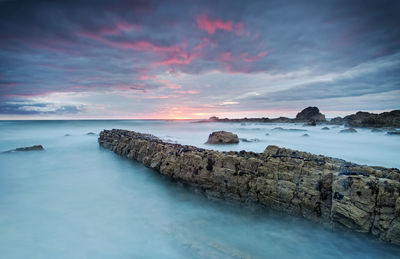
x: 222, y: 137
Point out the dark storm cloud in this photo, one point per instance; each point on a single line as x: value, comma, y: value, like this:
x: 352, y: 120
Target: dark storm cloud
x: 91, y: 46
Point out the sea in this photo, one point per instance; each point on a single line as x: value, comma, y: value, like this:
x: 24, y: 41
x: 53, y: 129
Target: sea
x: 78, y: 200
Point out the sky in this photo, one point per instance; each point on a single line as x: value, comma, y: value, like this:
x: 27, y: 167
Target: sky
x: 197, y: 58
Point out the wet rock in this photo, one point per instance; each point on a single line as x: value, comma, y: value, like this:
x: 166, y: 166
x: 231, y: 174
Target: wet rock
x: 305, y: 135
x: 91, y: 134
x: 22, y: 149
x: 393, y: 133
x: 323, y: 189
x: 325, y: 128
x: 311, y: 123
x: 310, y: 114
x: 222, y: 137
x: 349, y: 130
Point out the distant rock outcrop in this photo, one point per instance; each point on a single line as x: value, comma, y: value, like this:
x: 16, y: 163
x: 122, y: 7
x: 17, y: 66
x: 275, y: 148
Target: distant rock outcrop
x: 326, y: 190
x: 31, y: 148
x: 222, y: 137
x: 370, y: 120
x: 310, y: 114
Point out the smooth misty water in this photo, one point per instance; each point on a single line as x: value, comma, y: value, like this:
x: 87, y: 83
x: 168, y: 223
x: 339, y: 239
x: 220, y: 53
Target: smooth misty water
x: 77, y: 200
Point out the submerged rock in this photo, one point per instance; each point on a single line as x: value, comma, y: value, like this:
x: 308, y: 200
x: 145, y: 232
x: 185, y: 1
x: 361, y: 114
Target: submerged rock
x: 323, y: 189
x: 31, y: 148
x: 249, y: 140
x: 91, y: 134
x: 349, y: 130
x: 325, y: 128
x: 305, y: 135
x: 222, y: 137
x: 291, y: 130
x: 67, y: 135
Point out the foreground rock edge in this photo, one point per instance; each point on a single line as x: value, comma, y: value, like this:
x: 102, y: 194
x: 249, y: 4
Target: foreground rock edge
x: 323, y: 189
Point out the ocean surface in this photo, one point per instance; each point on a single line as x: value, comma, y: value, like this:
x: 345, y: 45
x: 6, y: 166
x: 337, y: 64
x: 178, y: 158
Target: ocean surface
x: 77, y: 200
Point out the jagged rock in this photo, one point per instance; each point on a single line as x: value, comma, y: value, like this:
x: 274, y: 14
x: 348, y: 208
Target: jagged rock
x: 373, y: 120
x: 31, y: 148
x: 325, y: 128
x: 349, y: 130
x: 222, y: 137
x: 310, y: 114
x: 323, y: 189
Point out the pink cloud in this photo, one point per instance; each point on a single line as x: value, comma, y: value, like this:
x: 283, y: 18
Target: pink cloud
x: 239, y: 28
x: 186, y: 92
x: 146, y: 77
x: 226, y: 56
x: 178, y: 58
x: 211, y: 26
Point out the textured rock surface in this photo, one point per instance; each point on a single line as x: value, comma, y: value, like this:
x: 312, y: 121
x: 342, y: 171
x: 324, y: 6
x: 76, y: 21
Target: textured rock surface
x: 222, y: 137
x: 326, y: 190
x: 310, y: 114
x: 370, y: 120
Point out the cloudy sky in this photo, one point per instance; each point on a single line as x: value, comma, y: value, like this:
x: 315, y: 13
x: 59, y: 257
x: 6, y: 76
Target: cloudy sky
x: 196, y: 58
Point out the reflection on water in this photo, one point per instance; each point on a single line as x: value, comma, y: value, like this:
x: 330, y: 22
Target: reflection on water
x: 77, y: 200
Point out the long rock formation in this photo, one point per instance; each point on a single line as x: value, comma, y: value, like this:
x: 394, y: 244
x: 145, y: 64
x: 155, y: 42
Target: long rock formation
x: 326, y: 190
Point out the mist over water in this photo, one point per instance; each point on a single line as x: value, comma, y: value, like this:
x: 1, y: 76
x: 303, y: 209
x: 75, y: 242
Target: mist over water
x: 77, y: 200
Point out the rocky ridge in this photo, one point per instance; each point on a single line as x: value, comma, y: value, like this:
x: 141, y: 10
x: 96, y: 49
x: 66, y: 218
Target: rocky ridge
x: 323, y: 189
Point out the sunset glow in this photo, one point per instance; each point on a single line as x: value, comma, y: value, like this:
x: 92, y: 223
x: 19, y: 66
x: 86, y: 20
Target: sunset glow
x: 186, y: 60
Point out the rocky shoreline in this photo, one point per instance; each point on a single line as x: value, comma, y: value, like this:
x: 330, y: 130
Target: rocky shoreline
x: 323, y: 189
x: 311, y: 116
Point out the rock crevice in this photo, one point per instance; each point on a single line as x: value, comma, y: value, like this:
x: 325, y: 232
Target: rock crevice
x: 323, y: 189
